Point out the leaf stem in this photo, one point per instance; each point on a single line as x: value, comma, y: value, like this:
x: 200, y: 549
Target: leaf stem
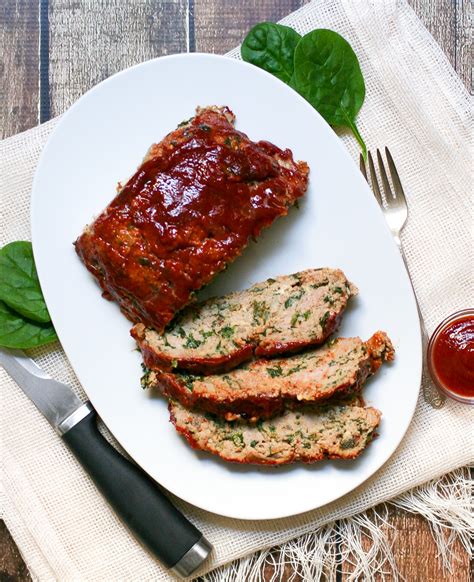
x: 358, y: 137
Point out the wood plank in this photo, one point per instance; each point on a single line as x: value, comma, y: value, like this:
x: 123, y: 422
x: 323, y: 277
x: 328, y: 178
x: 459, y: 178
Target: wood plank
x: 12, y: 566
x: 19, y: 63
x: 91, y: 40
x: 415, y: 551
x: 439, y: 17
x: 464, y: 45
x: 220, y: 25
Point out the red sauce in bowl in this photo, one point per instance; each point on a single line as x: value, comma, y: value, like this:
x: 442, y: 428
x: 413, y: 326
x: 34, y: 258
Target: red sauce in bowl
x: 451, y: 356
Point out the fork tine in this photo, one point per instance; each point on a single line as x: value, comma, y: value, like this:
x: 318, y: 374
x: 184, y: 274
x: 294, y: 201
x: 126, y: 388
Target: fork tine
x: 373, y: 178
x: 395, y: 177
x: 386, y: 184
x: 362, y: 167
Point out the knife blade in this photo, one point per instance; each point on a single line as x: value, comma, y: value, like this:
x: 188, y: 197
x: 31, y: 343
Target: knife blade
x: 134, y: 496
x: 54, y: 400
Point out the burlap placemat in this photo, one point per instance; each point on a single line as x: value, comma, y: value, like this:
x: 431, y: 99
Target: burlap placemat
x: 416, y: 104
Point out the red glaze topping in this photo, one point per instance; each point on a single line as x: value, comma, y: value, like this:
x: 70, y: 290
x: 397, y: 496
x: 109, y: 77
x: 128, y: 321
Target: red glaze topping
x: 453, y: 356
x: 190, y: 209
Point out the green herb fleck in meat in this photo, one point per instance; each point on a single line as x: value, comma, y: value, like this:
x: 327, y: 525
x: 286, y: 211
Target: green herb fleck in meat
x: 328, y: 299
x: 298, y: 317
x: 261, y: 312
x: 192, y: 342
x: 238, y: 439
x: 145, y: 377
x: 296, y: 368
x: 324, y: 319
x: 166, y: 342
x: 294, y: 318
x: 276, y: 371
x: 348, y: 444
x: 227, y: 331
x: 188, y: 380
x: 320, y: 284
x: 293, y: 298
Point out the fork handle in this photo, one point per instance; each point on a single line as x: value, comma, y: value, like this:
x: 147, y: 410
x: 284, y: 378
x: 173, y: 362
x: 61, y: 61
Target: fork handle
x: 431, y: 393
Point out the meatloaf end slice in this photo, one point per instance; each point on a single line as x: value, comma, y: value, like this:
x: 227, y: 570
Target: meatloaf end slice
x: 334, y: 431
x: 277, y: 316
x: 189, y: 210
x: 265, y: 387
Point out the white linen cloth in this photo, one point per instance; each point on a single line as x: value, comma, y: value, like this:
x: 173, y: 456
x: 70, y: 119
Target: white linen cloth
x: 418, y: 106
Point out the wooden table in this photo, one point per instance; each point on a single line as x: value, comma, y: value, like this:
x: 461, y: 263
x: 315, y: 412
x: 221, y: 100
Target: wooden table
x: 52, y: 51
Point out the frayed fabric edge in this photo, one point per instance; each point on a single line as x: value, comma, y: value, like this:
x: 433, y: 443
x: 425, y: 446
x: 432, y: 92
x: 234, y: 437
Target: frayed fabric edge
x: 360, y: 546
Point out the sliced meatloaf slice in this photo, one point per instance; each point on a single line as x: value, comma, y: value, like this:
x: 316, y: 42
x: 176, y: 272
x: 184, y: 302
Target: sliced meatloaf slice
x: 265, y: 387
x: 334, y: 431
x: 189, y: 210
x: 278, y: 316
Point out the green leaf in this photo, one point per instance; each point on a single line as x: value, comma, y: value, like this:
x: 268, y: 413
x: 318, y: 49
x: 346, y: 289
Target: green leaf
x: 19, y: 285
x: 271, y: 47
x: 17, y: 332
x: 327, y: 74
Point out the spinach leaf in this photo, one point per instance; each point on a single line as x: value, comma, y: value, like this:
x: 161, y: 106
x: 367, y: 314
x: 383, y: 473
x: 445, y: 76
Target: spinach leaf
x: 271, y: 47
x: 327, y: 74
x: 16, y: 332
x: 19, y: 285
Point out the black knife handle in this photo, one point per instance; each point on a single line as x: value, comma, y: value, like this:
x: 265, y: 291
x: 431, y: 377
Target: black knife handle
x: 135, y: 497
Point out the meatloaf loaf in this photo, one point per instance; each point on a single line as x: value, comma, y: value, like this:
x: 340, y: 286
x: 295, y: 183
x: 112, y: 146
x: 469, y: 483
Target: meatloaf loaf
x: 265, y: 387
x: 334, y: 431
x: 190, y: 209
x: 277, y: 316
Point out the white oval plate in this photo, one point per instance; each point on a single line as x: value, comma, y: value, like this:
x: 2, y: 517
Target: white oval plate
x: 102, y: 140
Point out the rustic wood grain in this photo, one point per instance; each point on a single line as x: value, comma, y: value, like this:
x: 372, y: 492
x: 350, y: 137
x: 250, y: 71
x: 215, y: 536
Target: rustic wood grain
x: 12, y: 567
x: 221, y: 25
x: 91, y: 40
x: 415, y: 551
x: 464, y: 44
x: 439, y: 17
x: 18, y: 66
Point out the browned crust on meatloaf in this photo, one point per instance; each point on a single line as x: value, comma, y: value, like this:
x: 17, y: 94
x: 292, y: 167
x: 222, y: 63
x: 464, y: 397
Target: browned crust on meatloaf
x: 335, y: 431
x: 265, y: 387
x: 276, y: 316
x: 189, y: 210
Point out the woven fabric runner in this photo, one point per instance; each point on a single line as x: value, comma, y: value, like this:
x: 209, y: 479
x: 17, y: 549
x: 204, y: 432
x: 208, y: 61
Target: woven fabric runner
x: 418, y: 106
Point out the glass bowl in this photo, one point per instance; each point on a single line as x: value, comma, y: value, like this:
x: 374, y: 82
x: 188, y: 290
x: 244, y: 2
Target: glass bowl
x: 431, y: 365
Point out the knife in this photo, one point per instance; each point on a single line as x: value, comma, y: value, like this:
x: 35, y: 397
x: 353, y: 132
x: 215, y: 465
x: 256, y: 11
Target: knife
x: 130, y: 491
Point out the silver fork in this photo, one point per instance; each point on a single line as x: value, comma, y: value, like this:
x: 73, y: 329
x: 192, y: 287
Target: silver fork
x: 395, y: 209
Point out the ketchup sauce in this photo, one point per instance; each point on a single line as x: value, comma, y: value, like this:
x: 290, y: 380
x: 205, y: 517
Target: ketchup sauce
x: 451, y: 355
